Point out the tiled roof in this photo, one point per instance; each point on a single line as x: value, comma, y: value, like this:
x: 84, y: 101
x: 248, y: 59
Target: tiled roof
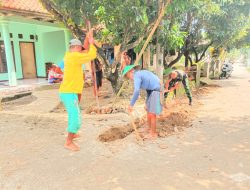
x: 23, y: 5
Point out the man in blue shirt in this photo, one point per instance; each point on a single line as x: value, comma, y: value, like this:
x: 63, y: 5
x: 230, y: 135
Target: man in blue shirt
x: 148, y: 81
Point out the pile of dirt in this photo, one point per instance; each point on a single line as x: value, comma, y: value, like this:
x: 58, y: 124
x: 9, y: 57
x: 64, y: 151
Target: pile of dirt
x: 204, y: 90
x: 105, y: 110
x: 167, y: 124
x: 92, y: 110
x: 173, y: 122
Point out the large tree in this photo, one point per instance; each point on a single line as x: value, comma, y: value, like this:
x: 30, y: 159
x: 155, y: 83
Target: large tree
x: 119, y: 23
x: 221, y: 23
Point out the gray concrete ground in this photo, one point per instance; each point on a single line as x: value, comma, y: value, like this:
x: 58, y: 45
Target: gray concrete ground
x: 213, y: 154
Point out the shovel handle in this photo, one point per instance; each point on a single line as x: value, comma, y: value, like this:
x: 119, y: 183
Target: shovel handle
x: 138, y: 136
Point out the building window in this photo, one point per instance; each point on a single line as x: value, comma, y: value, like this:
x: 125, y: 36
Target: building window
x: 0, y: 35
x: 20, y: 36
x: 11, y: 35
x: 3, y: 61
x: 32, y: 37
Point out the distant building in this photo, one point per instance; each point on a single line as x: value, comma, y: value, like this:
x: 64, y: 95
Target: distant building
x: 29, y: 37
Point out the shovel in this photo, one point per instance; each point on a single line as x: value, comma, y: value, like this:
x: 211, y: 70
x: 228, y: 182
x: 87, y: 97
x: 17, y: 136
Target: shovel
x: 138, y: 136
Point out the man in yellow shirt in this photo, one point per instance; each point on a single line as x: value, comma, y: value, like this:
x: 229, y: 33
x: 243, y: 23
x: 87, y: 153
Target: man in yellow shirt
x: 72, y: 85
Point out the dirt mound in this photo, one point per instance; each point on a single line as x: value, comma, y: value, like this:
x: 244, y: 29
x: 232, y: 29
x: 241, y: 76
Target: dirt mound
x: 104, y: 110
x: 92, y: 110
x: 173, y: 122
x: 167, y: 124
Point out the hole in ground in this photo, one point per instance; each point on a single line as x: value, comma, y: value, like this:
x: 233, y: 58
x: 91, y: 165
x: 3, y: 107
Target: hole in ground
x: 119, y: 132
x: 166, y: 125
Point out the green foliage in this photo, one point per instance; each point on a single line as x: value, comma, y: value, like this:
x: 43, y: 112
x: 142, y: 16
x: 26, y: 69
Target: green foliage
x: 231, y: 25
x: 172, y: 38
x: 234, y: 54
x: 122, y: 20
x: 224, y: 22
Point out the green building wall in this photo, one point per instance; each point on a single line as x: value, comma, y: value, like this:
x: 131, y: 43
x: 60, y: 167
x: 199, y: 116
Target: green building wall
x: 50, y: 45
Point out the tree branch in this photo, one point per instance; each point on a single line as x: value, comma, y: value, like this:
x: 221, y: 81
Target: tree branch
x: 190, y: 60
x: 180, y: 54
x: 133, y: 44
x: 140, y: 39
x: 204, y: 51
x: 196, y: 54
x: 58, y: 14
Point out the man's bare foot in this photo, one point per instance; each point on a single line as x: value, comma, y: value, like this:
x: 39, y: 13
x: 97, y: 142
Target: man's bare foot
x: 72, y: 146
x: 151, y: 136
x: 144, y: 130
x: 76, y: 136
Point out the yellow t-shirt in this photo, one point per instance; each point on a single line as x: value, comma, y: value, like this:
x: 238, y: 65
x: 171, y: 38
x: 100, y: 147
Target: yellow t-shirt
x: 73, y: 73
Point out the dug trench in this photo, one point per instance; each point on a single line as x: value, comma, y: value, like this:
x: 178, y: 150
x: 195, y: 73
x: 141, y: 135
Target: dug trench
x: 167, y: 124
x: 174, y: 119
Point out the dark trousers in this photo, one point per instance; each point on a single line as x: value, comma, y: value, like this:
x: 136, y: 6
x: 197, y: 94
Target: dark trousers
x: 185, y: 85
x: 99, y: 77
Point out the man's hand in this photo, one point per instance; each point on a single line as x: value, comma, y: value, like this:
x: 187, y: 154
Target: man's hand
x: 130, y: 108
x: 91, y: 40
x: 90, y: 36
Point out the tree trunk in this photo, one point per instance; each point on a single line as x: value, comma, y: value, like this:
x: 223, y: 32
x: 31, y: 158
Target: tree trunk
x: 159, y: 61
x: 114, y: 73
x: 198, y: 75
x: 186, y: 59
x: 146, y: 58
x: 115, y: 80
x: 159, y: 52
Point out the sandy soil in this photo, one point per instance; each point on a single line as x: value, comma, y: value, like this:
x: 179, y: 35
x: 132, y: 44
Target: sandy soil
x: 206, y: 146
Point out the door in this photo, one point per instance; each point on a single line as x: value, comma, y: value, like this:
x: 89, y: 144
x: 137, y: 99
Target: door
x: 27, y: 50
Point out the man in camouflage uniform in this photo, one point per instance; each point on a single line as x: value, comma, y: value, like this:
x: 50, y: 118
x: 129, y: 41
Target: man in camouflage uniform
x: 175, y: 77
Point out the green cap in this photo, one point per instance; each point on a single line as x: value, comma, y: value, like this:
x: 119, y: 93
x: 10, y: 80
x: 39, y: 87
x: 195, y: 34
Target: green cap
x: 127, y: 69
x: 167, y: 71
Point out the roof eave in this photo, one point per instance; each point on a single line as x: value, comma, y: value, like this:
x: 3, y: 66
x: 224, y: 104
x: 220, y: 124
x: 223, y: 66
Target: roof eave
x: 28, y: 14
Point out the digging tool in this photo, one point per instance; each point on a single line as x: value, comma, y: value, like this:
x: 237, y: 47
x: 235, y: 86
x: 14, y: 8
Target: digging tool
x: 120, y: 91
x: 138, y: 136
x: 88, y: 24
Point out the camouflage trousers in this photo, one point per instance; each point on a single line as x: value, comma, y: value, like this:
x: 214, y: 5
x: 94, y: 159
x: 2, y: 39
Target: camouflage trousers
x: 185, y: 83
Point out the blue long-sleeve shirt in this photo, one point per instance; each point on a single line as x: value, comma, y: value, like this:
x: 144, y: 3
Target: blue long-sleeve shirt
x: 145, y: 80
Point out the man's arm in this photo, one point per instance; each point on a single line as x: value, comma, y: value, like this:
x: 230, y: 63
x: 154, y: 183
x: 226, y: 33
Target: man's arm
x: 137, y: 85
x: 174, y: 87
x: 86, y: 56
x: 86, y: 43
x: 89, y: 43
x: 167, y: 85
